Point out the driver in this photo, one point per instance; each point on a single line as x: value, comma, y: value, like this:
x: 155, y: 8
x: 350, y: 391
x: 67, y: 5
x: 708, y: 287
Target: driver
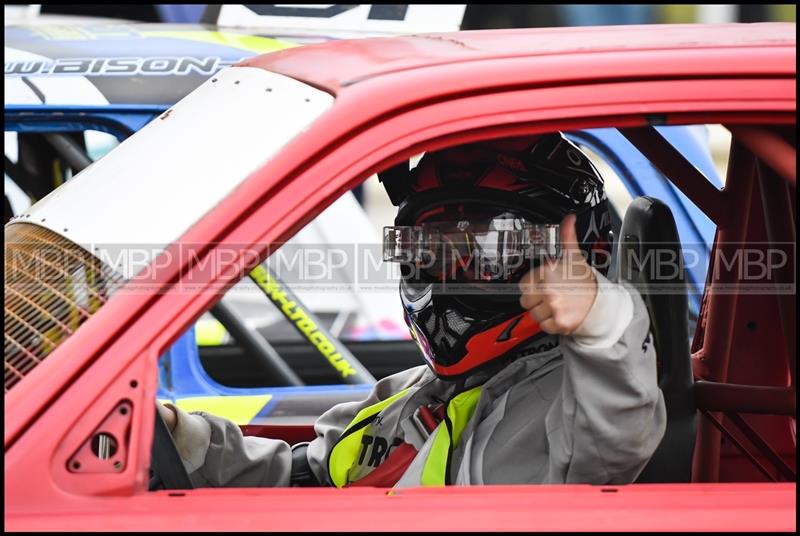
x: 538, y: 368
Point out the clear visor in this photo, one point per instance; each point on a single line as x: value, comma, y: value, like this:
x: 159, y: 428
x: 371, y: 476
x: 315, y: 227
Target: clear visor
x: 489, y: 250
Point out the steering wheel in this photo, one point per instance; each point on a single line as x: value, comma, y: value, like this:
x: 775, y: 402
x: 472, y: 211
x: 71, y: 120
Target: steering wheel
x: 166, y: 467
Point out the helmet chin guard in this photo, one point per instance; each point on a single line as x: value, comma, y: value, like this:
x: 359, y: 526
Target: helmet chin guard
x: 456, y: 339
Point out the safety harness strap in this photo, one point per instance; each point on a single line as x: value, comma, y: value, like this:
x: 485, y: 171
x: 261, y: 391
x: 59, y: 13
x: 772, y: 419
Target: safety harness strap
x: 447, y: 434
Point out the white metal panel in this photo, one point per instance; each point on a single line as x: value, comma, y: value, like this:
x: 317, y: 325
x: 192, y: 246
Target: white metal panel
x: 154, y: 186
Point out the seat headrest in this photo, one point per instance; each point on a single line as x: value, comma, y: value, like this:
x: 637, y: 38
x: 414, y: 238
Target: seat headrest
x: 650, y: 258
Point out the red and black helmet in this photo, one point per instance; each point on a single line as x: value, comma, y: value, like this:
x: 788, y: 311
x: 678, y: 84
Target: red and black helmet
x: 479, y: 322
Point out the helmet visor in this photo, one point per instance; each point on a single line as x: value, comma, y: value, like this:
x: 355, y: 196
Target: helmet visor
x: 472, y: 249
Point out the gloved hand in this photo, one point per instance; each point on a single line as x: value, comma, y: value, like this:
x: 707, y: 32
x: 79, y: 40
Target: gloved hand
x: 168, y: 414
x: 559, y: 295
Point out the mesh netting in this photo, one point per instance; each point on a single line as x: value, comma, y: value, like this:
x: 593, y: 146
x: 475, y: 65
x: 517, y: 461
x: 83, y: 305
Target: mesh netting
x: 52, y: 286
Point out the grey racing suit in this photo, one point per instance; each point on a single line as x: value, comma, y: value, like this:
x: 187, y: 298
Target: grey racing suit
x: 584, y: 408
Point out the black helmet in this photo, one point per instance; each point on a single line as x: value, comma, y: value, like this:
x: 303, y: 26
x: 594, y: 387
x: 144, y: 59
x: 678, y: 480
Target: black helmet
x: 479, y: 192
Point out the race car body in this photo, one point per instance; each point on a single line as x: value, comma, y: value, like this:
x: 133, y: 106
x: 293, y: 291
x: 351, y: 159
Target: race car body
x: 352, y: 108
x: 85, y: 80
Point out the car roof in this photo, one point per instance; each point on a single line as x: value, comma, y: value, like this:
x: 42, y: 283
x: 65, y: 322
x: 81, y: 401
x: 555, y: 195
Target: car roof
x: 170, y: 61
x: 335, y: 65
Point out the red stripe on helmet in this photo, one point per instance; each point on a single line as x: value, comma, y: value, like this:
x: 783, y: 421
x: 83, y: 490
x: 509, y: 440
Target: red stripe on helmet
x: 427, y: 179
x: 484, y: 346
x: 427, y: 214
x: 502, y: 179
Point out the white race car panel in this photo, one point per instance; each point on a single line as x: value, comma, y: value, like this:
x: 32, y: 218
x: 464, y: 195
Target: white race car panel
x: 19, y: 92
x: 323, y: 264
x: 344, y: 20
x: 342, y: 236
x: 70, y: 90
x: 146, y: 193
x: 21, y: 13
x: 18, y: 199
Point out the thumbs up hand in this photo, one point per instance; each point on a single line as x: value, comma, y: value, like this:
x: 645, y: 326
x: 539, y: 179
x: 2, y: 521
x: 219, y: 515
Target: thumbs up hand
x: 559, y: 294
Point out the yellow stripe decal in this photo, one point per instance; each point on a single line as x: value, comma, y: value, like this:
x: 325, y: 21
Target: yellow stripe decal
x: 209, y: 332
x: 251, y: 43
x: 239, y: 409
x: 294, y: 312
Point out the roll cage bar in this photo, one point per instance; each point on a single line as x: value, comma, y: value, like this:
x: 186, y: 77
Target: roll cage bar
x: 762, y: 171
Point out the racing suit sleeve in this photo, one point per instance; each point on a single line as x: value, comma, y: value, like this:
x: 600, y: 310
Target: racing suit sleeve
x: 610, y: 416
x: 217, y: 454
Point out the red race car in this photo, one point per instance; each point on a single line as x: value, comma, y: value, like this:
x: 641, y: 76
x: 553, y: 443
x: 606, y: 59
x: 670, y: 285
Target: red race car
x: 95, y: 295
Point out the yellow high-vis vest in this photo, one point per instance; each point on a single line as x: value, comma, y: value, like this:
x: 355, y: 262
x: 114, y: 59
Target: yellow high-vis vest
x: 459, y: 411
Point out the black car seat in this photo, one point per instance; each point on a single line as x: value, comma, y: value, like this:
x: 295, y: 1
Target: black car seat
x: 649, y: 235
